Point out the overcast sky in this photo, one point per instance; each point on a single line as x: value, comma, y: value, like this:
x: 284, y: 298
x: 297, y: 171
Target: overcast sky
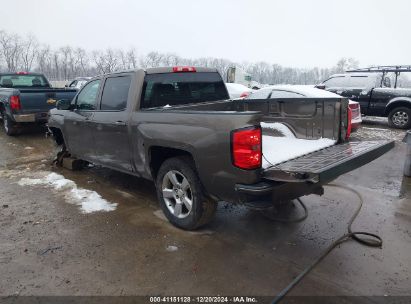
x: 297, y: 33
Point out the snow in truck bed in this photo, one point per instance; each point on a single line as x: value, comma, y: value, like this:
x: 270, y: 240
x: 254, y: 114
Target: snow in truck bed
x: 278, y: 149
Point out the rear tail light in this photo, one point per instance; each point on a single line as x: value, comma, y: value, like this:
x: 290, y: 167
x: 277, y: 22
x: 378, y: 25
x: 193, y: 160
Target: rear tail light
x: 349, y: 118
x: 179, y: 69
x: 246, y: 148
x: 15, y: 103
x: 244, y: 94
x: 22, y: 73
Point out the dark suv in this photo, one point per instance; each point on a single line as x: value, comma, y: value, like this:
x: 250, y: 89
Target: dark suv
x: 381, y: 91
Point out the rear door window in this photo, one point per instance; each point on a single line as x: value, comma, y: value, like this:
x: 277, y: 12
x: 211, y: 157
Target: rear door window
x: 160, y: 90
x: 87, y: 98
x: 115, y: 93
x: 360, y: 82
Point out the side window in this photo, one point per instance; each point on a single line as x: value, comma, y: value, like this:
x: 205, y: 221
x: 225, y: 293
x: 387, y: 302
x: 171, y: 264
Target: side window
x: 86, y: 99
x: 115, y: 93
x: 360, y: 82
x: 339, y: 81
x: 73, y: 84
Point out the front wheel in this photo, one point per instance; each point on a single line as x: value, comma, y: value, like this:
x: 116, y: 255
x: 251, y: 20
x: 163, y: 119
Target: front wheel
x: 400, y: 118
x: 8, y: 125
x: 181, y: 195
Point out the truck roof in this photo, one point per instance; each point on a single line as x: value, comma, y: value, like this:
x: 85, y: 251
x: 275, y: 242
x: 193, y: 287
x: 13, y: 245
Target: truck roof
x: 354, y: 74
x: 22, y: 73
x: 161, y: 70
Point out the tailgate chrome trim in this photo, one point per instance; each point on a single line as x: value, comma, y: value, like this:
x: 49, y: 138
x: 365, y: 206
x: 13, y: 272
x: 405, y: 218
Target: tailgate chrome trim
x: 327, y: 164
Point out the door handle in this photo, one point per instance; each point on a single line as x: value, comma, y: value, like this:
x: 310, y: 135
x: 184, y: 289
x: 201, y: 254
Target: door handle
x: 120, y: 123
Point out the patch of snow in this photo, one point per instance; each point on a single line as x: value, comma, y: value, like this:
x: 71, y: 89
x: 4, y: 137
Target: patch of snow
x: 280, y: 127
x: 28, y: 148
x: 171, y: 248
x: 167, y: 106
x: 30, y: 181
x: 280, y: 149
x: 89, y: 201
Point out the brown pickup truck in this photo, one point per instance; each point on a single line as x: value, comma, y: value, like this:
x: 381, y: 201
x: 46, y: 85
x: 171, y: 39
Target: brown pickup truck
x: 178, y: 127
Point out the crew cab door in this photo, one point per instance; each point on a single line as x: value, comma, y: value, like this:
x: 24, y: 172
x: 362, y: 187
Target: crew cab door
x: 79, y: 138
x: 109, y: 124
x: 359, y: 89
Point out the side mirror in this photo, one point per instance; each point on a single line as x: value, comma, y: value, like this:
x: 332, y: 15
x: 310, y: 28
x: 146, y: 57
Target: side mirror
x: 64, y: 104
x: 320, y: 86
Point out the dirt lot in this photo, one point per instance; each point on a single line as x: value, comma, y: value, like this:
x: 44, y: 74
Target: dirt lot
x: 51, y: 245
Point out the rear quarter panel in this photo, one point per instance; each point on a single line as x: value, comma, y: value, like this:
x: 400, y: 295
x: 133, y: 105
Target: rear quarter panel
x: 206, y: 136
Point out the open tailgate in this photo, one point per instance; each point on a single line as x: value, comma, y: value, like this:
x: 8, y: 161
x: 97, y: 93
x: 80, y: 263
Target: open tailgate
x: 327, y: 164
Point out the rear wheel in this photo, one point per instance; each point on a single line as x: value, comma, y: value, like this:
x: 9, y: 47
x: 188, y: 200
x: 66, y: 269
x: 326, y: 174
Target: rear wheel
x: 181, y: 194
x: 400, y: 118
x: 8, y: 125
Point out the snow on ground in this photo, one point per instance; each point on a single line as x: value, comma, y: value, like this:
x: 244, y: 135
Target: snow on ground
x: 369, y: 133
x: 279, y: 149
x: 88, y: 201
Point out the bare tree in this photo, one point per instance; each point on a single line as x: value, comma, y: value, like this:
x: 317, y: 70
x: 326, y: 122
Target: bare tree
x: 132, y: 58
x: 11, y: 48
x: 68, y: 62
x: 29, y: 49
x: 106, y: 62
x: 82, y: 61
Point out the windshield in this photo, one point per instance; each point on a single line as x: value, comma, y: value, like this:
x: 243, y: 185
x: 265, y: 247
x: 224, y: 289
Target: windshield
x: 169, y: 89
x: 23, y: 81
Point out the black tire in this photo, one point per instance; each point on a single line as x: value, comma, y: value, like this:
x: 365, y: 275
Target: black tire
x: 400, y: 118
x: 8, y: 125
x: 202, y: 208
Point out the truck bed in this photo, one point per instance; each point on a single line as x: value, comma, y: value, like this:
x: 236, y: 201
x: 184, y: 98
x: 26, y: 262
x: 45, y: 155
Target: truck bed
x: 307, y: 118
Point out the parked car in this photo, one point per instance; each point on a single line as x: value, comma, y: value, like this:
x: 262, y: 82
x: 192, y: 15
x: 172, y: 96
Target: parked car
x: 78, y: 82
x: 381, y: 91
x: 26, y: 98
x: 299, y: 91
x: 178, y: 127
x: 236, y: 90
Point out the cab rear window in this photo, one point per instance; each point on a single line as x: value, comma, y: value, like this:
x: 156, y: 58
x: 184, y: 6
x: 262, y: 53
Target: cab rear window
x: 160, y: 90
x: 20, y: 81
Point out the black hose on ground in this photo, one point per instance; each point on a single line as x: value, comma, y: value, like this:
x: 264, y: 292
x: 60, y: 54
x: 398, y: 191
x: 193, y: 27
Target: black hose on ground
x: 373, y: 240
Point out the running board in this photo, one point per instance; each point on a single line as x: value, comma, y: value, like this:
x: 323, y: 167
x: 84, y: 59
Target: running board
x: 327, y: 164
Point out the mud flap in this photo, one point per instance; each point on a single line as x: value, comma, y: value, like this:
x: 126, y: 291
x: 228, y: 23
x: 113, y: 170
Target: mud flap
x: 325, y: 165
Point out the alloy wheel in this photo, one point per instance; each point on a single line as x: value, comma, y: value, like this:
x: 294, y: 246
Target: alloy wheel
x: 400, y: 118
x: 177, y: 194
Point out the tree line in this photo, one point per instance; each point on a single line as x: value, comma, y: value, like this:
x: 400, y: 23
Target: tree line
x: 26, y: 53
